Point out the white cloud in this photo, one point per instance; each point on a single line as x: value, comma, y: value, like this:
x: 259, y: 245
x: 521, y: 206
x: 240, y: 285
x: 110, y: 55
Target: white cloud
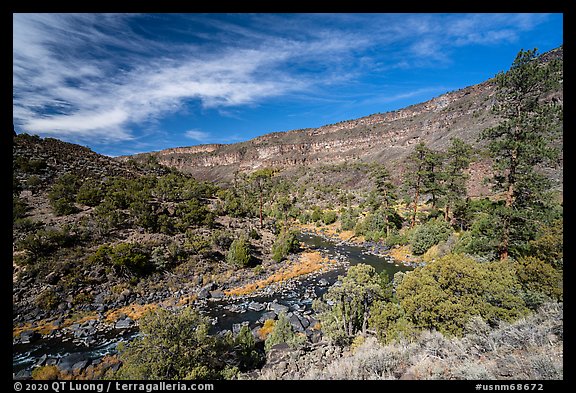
x: 93, y: 76
x: 197, y: 135
x: 88, y: 97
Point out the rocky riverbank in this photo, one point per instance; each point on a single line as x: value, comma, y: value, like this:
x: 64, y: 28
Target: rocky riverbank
x: 289, y: 287
x: 333, y: 233
x: 290, y: 290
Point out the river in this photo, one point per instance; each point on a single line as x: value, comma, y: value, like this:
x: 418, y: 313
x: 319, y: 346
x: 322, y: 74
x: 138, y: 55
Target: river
x: 226, y: 314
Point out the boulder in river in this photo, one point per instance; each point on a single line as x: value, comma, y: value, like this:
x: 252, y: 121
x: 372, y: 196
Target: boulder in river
x: 255, y: 306
x: 237, y: 326
x: 296, y: 324
x: 29, y: 336
x: 323, y: 282
x: 205, y: 291
x: 23, y: 374
x: 278, y: 308
x: 124, y: 323
x: 67, y: 363
x: 217, y: 294
x: 267, y: 315
x: 41, y: 360
x: 79, y: 366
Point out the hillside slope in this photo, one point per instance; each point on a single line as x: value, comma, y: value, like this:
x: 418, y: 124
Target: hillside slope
x: 383, y: 137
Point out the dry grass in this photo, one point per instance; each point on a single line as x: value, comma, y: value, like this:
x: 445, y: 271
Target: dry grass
x: 134, y: 311
x: 333, y: 231
x: 266, y: 329
x: 186, y: 300
x: 90, y: 373
x: 45, y: 327
x: 308, y: 262
x: 403, y: 254
x: 528, y: 349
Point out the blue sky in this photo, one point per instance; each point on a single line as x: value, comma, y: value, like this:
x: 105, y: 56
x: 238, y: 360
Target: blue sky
x: 129, y: 83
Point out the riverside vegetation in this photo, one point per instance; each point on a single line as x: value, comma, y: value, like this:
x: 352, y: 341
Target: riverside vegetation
x: 140, y: 247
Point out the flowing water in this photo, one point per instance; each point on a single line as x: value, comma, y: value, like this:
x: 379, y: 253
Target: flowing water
x: 227, y: 314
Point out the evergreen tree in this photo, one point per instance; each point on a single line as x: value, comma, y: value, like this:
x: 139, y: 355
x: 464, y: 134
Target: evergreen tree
x: 260, y: 180
x: 173, y: 345
x: 458, y: 159
x: 62, y: 195
x: 387, y: 192
x: 416, y: 176
x: 239, y: 253
x: 520, y: 143
x: 283, y: 333
x: 345, y: 310
x: 433, y: 178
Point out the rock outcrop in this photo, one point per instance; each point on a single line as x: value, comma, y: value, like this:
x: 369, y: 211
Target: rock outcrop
x: 381, y: 137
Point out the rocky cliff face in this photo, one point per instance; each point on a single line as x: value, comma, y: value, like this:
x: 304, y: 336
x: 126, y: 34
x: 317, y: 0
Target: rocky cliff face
x: 382, y: 137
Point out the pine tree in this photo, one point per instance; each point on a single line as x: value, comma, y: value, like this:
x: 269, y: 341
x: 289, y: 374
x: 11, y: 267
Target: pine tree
x: 387, y: 192
x: 260, y: 179
x: 520, y: 143
x: 433, y: 179
x: 345, y: 309
x: 458, y: 159
x: 417, y: 175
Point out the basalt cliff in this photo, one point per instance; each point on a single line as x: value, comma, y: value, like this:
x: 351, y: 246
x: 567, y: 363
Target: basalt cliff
x: 382, y: 137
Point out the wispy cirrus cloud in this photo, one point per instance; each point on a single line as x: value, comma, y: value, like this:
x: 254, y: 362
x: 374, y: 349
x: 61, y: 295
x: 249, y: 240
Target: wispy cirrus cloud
x: 66, y: 83
x: 100, y: 77
x: 197, y: 135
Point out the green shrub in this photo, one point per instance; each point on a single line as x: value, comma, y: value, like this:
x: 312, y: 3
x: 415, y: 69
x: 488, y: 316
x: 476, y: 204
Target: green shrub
x: 131, y: 258
x: 63, y: 207
x: 143, y: 213
x: 222, y: 239
x: 37, y: 165
x: 100, y: 256
x: 329, y: 217
x: 549, y: 244
x: 173, y: 345
x: 196, y: 243
x: 63, y: 194
x: 390, y: 323
x: 316, y: 214
x: 286, y: 243
x: 429, y: 234
x: 283, y: 333
x: 245, y: 349
x: 29, y: 166
x: 344, y: 310
x: 540, y: 281
x: 108, y: 216
x: 45, y: 241
x: 19, y: 208
x: 33, y: 182
x: 254, y: 234
x: 239, y: 253
x: 304, y: 218
x: 446, y: 293
x: 193, y: 214
x: 483, y: 237
x: 90, y: 193
x: 348, y: 219
x: 48, y: 299
x: 397, y: 238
